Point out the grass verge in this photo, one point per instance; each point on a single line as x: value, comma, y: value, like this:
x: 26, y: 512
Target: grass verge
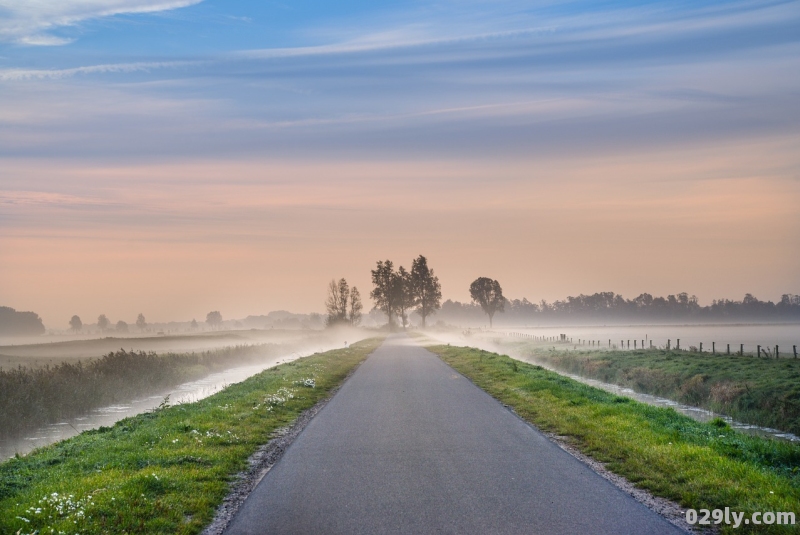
x: 164, y: 471
x: 759, y: 391
x: 700, y: 466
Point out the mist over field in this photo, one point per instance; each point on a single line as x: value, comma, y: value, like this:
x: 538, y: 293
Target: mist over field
x: 212, y: 213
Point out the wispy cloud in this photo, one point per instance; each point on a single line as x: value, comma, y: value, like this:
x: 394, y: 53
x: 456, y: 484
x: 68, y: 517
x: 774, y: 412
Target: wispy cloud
x: 30, y: 22
x: 41, y: 74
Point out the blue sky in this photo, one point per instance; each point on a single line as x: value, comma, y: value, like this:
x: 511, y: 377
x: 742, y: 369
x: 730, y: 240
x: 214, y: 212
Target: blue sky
x: 387, y: 77
x: 132, y: 130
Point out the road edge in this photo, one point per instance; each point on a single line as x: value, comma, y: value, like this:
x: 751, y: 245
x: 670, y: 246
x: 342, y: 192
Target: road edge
x: 262, y: 461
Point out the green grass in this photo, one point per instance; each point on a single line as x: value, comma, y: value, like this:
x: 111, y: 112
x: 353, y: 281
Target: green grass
x: 165, y: 471
x: 755, y: 390
x: 695, y: 464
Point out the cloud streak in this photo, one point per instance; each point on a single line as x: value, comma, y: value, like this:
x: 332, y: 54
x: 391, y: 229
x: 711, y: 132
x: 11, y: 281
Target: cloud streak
x: 30, y: 22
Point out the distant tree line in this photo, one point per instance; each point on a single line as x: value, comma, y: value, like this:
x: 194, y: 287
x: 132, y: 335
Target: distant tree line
x: 608, y: 306
x: 13, y: 323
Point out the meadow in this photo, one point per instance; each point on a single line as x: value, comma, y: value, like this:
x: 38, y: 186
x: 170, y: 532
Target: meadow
x: 164, y: 471
x: 754, y: 390
x: 699, y: 465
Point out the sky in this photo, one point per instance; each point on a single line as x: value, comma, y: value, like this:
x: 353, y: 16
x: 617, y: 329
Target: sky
x: 173, y: 157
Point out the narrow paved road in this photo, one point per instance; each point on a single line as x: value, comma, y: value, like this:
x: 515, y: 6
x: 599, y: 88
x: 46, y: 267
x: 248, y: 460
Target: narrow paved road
x: 410, y: 446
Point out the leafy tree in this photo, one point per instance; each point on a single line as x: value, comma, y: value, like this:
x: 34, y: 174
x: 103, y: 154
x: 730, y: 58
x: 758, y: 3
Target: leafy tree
x: 194, y: 323
x: 403, y: 291
x: 488, y: 294
x: 214, y: 319
x: 140, y: 322
x: 102, y: 322
x: 14, y: 323
x: 384, y: 292
x: 426, y: 288
x: 122, y: 327
x: 355, y: 307
x: 75, y: 323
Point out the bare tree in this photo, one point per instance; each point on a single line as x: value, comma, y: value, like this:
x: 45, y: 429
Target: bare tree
x: 140, y: 322
x: 355, y: 307
x: 75, y: 324
x: 102, y: 322
x: 426, y: 288
x: 488, y: 294
x: 336, y: 302
x: 214, y: 319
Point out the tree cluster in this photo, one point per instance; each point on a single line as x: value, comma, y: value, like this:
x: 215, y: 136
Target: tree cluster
x: 343, y: 304
x: 609, y: 306
x: 13, y: 323
x: 398, y: 293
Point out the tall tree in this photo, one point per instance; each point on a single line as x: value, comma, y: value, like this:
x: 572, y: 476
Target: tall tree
x: 102, y: 322
x: 426, y: 288
x: 336, y: 302
x: 488, y: 294
x: 404, y: 298
x: 385, y: 293
x: 140, y: 322
x: 214, y: 319
x: 75, y: 323
x: 355, y: 307
x: 122, y: 326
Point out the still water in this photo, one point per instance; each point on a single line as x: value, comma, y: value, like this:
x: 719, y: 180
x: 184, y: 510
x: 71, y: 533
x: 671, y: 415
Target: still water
x: 106, y: 416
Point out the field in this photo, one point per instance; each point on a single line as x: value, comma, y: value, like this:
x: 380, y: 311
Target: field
x: 696, y: 464
x: 165, y: 471
x: 759, y: 391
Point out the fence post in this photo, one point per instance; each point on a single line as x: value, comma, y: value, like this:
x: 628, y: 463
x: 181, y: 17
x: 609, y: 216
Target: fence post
x: 634, y: 344
x: 729, y: 349
x: 668, y: 344
x: 794, y: 347
x: 609, y: 344
x: 777, y: 355
x: 758, y: 351
x: 678, y: 346
x: 713, y: 348
x: 701, y: 347
x: 741, y: 349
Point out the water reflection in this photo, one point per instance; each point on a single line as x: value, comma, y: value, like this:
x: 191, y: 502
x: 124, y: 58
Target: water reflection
x: 106, y: 416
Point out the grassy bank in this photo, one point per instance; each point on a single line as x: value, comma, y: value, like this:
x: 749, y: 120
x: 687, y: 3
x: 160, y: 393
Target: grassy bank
x: 32, y: 397
x: 164, y: 471
x: 759, y: 391
x: 698, y: 465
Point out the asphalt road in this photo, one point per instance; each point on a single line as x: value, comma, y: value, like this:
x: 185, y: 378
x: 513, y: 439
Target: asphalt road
x: 408, y: 445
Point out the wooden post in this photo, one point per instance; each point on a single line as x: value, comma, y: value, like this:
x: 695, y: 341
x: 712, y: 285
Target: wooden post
x: 668, y: 344
x: 713, y: 348
x: 634, y: 344
x: 651, y: 344
x: 729, y: 349
x: 678, y: 346
x: 795, y: 351
x: 741, y: 349
x: 642, y: 344
x: 777, y: 355
x: 758, y: 351
x: 629, y: 344
x: 609, y: 345
x: 701, y: 347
